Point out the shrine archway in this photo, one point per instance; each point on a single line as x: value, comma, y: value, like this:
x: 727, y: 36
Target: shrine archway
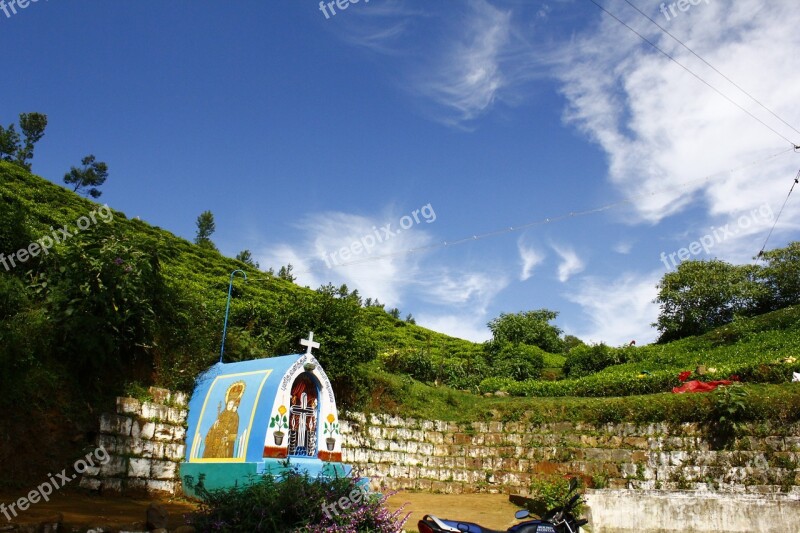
x: 303, y: 417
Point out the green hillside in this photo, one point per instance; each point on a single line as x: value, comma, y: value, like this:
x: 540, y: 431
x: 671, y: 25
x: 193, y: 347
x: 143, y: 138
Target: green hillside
x: 268, y: 314
x: 121, y: 304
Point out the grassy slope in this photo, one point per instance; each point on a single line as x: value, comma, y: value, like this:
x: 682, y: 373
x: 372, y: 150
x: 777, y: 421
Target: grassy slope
x: 52, y: 205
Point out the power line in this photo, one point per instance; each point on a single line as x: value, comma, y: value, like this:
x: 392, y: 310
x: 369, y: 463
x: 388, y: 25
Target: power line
x: 753, y: 98
x: 651, y: 43
x: 542, y: 222
x: 794, y: 184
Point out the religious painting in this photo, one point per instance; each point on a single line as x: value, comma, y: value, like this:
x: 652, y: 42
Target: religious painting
x: 303, y: 413
x: 221, y: 438
x: 227, y: 417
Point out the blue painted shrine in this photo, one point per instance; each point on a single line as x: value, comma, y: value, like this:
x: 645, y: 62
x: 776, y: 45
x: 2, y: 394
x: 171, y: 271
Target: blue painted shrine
x: 249, y: 418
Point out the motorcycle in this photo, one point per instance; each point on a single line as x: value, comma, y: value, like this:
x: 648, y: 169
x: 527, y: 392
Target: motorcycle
x: 556, y: 520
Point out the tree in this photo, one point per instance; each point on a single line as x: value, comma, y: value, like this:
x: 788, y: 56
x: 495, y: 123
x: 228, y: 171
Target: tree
x: 205, y: 229
x: 247, y: 258
x: 530, y: 327
x: 781, y: 274
x: 286, y: 273
x: 11, y: 147
x: 395, y: 313
x: 703, y: 295
x: 570, y: 342
x: 92, y: 175
x: 410, y: 319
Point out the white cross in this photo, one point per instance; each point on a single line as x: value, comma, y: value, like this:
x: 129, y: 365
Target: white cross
x: 309, y: 343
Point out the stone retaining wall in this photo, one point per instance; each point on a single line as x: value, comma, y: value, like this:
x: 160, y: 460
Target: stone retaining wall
x: 145, y: 442
x: 438, y: 456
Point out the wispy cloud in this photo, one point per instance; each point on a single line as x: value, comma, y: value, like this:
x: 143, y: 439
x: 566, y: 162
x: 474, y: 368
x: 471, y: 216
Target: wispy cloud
x: 618, y: 310
x: 530, y: 258
x: 469, y: 75
x: 570, y: 265
x: 662, y: 128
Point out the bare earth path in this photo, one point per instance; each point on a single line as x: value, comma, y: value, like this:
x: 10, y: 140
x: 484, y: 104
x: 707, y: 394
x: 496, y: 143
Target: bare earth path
x: 489, y: 510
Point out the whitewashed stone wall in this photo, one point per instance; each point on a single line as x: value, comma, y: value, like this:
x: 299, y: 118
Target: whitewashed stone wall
x: 437, y: 456
x: 145, y: 442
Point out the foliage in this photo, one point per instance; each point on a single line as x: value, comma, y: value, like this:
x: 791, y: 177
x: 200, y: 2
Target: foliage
x: 108, y: 284
x: 549, y: 492
x: 246, y: 257
x: 294, y: 502
x: 781, y: 274
x: 12, y: 149
x: 416, y: 363
x: 702, y: 295
x: 205, y: 228
x: 519, y: 362
x: 584, y: 360
x: 89, y: 177
x: 529, y: 327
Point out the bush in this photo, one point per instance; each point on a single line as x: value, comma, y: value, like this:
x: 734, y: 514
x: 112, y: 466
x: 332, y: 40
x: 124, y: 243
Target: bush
x: 294, y: 502
x: 519, y: 362
x: 413, y: 362
x: 584, y: 360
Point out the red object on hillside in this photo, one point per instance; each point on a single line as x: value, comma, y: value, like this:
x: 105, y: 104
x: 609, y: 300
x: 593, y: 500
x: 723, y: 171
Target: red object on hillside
x: 700, y: 386
x: 683, y: 376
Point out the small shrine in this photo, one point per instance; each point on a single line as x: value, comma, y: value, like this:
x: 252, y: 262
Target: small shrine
x: 252, y: 417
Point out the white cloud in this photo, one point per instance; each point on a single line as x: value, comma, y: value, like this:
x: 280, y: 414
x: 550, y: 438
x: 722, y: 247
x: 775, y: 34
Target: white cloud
x: 623, y: 247
x: 618, y: 311
x: 383, y: 271
x: 530, y: 257
x: 475, y: 290
x: 570, y: 265
x: 471, y: 327
x: 661, y: 127
x: 468, y: 75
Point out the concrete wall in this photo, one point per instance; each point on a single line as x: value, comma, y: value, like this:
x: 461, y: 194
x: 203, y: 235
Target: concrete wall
x: 646, y: 511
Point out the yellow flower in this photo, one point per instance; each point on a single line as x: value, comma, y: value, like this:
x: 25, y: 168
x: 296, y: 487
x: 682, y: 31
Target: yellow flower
x: 282, y: 410
x: 712, y: 370
x: 331, y: 418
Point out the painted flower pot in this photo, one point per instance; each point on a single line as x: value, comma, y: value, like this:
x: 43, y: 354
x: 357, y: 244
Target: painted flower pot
x: 278, y: 437
x: 331, y: 443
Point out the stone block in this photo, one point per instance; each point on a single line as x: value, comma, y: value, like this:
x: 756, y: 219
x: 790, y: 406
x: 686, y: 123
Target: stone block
x: 148, y: 429
x: 128, y: 406
x: 90, y: 483
x: 115, y: 424
x: 155, y: 412
x: 163, y: 470
x: 111, y: 485
x: 179, y: 433
x: 181, y: 399
x: 116, y: 466
x: 163, y: 432
x: 160, y: 395
x: 139, y: 467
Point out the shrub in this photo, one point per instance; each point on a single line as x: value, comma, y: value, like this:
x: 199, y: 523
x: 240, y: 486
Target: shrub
x: 294, y: 502
x: 584, y: 360
x: 519, y: 362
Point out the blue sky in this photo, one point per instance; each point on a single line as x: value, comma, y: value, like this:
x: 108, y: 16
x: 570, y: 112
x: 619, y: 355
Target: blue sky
x: 302, y: 133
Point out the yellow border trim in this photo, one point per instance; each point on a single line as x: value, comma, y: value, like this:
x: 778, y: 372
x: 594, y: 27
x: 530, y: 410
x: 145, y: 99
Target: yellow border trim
x: 196, y: 445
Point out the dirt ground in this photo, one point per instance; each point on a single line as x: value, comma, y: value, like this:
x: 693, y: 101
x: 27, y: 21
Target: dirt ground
x: 489, y: 510
x: 81, y: 509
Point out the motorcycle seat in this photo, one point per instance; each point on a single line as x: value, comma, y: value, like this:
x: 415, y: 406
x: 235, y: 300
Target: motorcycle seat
x: 455, y: 526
